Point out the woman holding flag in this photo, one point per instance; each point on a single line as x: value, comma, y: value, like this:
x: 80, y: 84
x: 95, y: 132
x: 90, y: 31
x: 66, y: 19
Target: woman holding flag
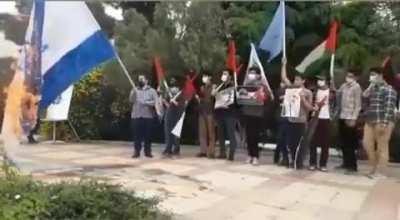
x: 253, y: 89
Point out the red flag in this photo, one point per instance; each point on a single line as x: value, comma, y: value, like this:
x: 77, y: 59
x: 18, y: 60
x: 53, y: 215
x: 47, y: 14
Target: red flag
x: 189, y: 90
x: 331, y: 40
x: 159, y: 71
x: 388, y: 73
x: 231, y: 59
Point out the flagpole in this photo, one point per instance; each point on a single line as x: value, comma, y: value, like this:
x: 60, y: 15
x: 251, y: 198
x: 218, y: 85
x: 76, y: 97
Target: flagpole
x: 331, y: 70
x: 235, y: 80
x: 125, y: 71
x: 284, y: 31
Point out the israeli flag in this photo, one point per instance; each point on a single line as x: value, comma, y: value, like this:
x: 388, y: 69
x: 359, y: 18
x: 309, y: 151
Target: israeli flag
x: 72, y: 43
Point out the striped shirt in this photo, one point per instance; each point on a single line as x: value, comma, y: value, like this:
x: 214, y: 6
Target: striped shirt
x: 381, y: 106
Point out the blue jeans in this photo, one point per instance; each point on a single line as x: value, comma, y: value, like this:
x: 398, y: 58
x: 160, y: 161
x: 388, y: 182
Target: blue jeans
x: 142, y: 128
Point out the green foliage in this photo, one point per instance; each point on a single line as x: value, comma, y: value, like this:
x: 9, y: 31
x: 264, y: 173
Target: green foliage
x: 86, y: 106
x: 183, y: 36
x: 98, y: 111
x: 22, y: 198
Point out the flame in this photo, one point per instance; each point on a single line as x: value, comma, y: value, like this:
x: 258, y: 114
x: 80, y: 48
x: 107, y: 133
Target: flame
x: 20, y: 107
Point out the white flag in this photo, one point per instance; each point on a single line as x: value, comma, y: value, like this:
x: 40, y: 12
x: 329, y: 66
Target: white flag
x: 254, y: 61
x: 177, y: 131
x: 59, y: 109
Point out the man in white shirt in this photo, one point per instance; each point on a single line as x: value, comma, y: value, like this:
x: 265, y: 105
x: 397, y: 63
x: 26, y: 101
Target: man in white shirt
x: 322, y: 133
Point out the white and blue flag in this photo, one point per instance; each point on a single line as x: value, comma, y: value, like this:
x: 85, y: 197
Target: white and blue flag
x: 71, y: 44
x: 273, y: 39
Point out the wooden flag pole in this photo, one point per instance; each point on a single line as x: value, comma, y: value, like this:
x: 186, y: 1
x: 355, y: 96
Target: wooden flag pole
x: 125, y: 71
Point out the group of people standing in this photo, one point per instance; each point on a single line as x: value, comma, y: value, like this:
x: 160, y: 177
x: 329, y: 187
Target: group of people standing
x: 306, y: 121
x: 216, y: 105
x: 376, y: 107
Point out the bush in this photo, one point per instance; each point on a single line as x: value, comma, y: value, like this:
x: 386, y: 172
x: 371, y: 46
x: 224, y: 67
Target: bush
x: 23, y: 198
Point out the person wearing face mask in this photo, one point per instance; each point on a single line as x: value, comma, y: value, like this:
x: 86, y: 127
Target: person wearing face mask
x: 321, y: 137
x: 174, y: 107
x: 143, y: 99
x: 206, y: 118
x: 226, y: 117
x: 253, y: 114
x: 350, y: 98
x: 297, y: 125
x: 380, y: 119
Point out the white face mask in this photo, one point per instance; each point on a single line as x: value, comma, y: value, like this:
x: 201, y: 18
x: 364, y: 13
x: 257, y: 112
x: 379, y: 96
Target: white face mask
x: 224, y: 78
x: 321, y: 83
x: 204, y: 79
x: 252, y: 76
x: 372, y: 78
x: 349, y: 80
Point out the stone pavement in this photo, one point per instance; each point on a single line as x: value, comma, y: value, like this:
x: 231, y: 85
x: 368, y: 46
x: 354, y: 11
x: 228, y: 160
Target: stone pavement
x: 194, y: 188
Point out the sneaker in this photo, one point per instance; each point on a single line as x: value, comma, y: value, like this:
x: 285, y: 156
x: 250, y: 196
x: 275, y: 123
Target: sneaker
x: 211, y: 156
x: 350, y: 172
x: 176, y: 156
x: 200, y: 155
x: 311, y: 168
x: 376, y: 176
x: 31, y: 140
x: 323, y: 169
x: 149, y: 155
x: 284, y: 163
x: 166, y: 155
x: 255, y: 162
x: 249, y: 160
x: 135, y: 156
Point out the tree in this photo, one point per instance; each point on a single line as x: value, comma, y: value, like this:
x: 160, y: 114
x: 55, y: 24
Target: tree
x: 204, y: 38
x: 147, y: 9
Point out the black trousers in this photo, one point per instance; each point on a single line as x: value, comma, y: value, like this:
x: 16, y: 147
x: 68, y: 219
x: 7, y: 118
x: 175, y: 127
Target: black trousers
x: 349, y: 144
x: 142, y: 128
x: 293, y: 137
x: 253, y: 130
x: 34, y: 129
x: 227, y: 129
x: 281, y: 142
x: 321, y: 139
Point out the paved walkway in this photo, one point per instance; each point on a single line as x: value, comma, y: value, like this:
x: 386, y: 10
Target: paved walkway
x: 195, y: 188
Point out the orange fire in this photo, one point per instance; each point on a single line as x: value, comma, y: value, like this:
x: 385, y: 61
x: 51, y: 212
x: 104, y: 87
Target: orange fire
x: 20, y: 107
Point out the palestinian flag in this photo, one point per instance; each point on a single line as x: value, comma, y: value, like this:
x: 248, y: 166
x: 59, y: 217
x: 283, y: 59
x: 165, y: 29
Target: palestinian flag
x: 162, y: 85
x: 327, y: 46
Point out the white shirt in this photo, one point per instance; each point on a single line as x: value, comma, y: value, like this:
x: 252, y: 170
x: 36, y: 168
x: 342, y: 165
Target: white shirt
x: 321, y: 95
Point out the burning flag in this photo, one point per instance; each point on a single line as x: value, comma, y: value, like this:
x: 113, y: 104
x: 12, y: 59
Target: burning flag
x: 57, y: 53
